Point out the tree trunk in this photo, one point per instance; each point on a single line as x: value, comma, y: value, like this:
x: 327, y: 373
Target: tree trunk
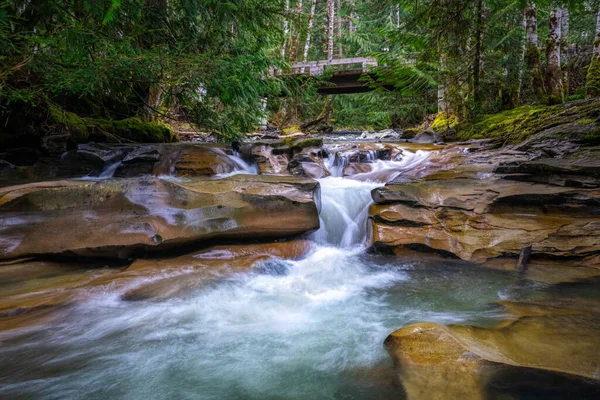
x: 339, y: 28
x: 534, y: 83
x: 330, y: 28
x: 442, y: 88
x: 286, y: 28
x: 593, y: 75
x: 564, y: 49
x: 311, y: 20
x: 351, y: 27
x: 298, y: 23
x: 553, y: 71
x: 478, y: 49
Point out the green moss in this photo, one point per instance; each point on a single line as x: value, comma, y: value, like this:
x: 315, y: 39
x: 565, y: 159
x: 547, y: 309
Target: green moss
x: 520, y: 123
x: 585, y: 121
x: 69, y: 122
x: 593, y: 78
x: 291, y: 130
x: 300, y: 144
x: 133, y: 129
x: 444, y: 122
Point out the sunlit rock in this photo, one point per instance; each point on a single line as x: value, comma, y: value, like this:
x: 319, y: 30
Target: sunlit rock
x: 124, y: 217
x: 458, y: 361
x: 481, y: 219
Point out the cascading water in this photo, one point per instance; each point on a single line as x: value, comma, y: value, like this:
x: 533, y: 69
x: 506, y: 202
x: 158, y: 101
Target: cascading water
x: 311, y: 328
x: 344, y: 210
x: 345, y: 202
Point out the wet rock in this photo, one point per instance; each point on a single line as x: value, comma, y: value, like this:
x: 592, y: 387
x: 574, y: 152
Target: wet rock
x: 457, y: 361
x: 481, y: 219
x: 181, y: 159
x: 35, y: 291
x: 271, y: 160
x: 426, y: 137
x: 182, y: 274
x: 275, y: 158
x: 193, y: 160
x: 384, y: 134
x: 124, y: 217
x: 431, y: 364
x: 308, y: 166
x: 140, y: 161
x: 55, y: 144
x: 582, y: 172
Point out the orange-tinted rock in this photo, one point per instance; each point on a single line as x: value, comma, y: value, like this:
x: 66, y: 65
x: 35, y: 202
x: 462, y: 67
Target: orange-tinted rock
x: 457, y: 361
x: 122, y: 217
x: 481, y: 219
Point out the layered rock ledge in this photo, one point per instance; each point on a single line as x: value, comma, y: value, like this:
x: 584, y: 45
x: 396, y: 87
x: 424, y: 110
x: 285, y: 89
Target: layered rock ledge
x: 122, y: 218
x: 494, y: 204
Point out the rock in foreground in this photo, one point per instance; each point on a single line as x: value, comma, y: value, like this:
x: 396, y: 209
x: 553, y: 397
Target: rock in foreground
x: 459, y: 361
x: 122, y: 218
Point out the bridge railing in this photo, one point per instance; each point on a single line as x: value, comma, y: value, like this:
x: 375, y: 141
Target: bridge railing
x: 314, y: 68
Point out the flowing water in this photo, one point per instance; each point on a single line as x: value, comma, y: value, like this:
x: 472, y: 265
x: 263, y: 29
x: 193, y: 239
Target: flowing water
x: 307, y: 329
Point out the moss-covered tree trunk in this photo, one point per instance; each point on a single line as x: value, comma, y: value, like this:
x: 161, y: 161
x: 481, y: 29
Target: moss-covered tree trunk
x: 593, y: 75
x: 564, y: 49
x: 554, y: 76
x: 533, y: 82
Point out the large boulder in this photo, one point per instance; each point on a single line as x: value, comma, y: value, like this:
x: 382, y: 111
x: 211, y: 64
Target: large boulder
x: 120, y: 218
x: 459, y: 361
x: 427, y: 137
x: 479, y: 219
x: 180, y: 159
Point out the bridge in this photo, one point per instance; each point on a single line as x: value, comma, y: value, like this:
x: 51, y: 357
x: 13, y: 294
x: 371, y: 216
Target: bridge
x: 345, y: 78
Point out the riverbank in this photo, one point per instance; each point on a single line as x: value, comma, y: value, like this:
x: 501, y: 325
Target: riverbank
x: 296, y: 258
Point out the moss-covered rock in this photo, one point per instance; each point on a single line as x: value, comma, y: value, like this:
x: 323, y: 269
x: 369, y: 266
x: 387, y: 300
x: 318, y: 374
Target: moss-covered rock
x: 291, y: 130
x: 577, y: 120
x: 133, y: 129
x: 68, y: 122
x: 444, y: 122
x: 302, y: 144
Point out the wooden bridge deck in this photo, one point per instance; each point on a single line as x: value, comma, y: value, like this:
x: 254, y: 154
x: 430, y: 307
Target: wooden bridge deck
x: 345, y: 80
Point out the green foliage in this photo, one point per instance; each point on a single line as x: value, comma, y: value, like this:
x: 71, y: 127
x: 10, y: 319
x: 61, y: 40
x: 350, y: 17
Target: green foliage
x: 208, y: 59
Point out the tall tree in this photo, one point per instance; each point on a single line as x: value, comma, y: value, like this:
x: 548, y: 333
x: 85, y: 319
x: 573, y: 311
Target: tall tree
x: 286, y: 28
x: 339, y: 29
x: 298, y: 30
x: 534, y: 82
x: 477, y: 95
x: 593, y: 75
x: 311, y: 20
x: 564, y: 48
x: 330, y: 28
x: 554, y: 76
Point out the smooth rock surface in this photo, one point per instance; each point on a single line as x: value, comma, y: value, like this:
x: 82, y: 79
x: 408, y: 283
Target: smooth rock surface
x: 436, y: 361
x: 481, y: 219
x: 122, y: 217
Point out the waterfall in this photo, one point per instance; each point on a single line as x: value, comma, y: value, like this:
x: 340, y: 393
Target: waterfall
x: 109, y: 170
x: 345, y: 201
x: 344, y: 211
